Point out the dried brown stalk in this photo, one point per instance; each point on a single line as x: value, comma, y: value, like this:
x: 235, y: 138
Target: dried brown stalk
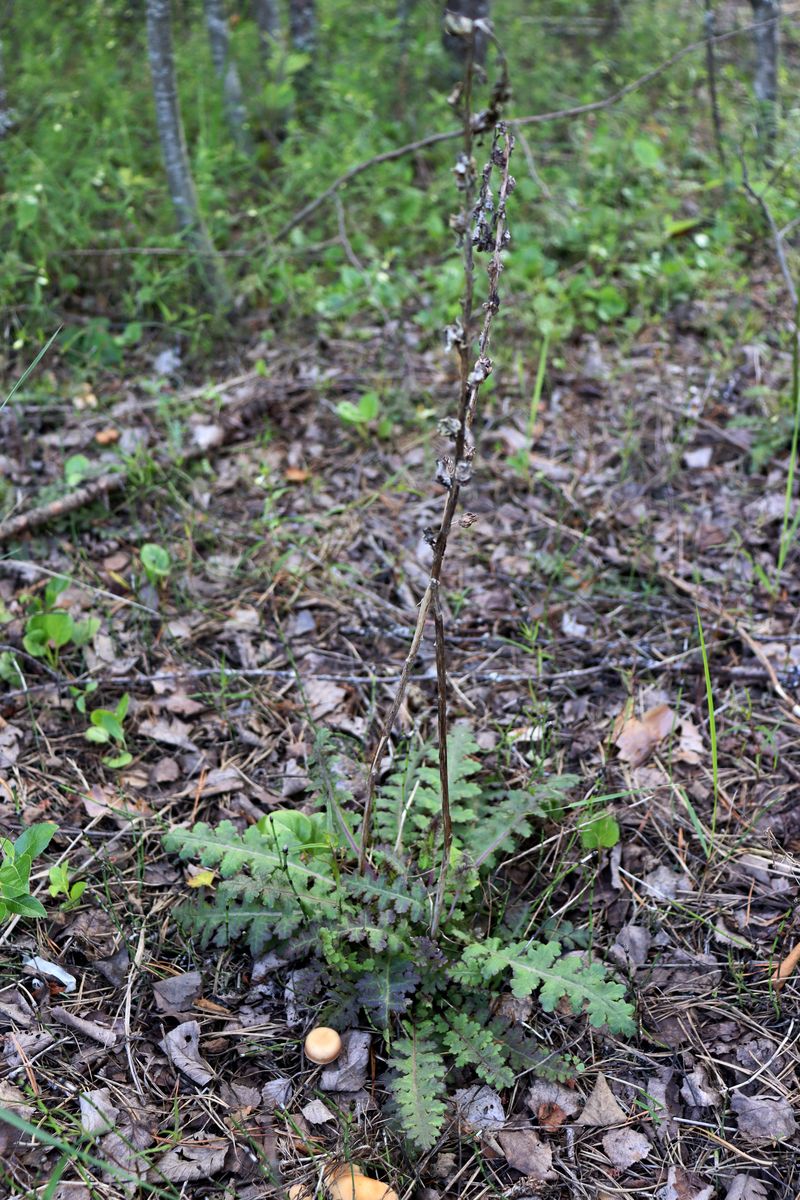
x: 483, y: 226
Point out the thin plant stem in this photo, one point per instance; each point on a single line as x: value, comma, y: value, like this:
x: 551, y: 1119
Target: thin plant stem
x: 444, y: 775
x: 536, y: 398
x: 787, y: 533
x: 482, y: 222
x: 712, y: 723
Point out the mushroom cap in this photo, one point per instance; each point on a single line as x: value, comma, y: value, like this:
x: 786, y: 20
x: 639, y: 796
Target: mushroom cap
x: 323, y: 1045
x: 299, y: 1191
x: 349, y: 1184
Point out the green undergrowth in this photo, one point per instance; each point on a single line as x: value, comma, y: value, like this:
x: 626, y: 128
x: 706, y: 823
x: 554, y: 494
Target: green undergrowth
x: 290, y: 882
x: 619, y: 215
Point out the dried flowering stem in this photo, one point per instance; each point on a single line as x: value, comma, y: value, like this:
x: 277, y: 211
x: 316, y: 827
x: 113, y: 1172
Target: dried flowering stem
x: 482, y: 226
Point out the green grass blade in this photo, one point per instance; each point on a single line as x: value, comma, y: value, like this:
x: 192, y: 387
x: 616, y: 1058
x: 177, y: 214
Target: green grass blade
x: 30, y: 368
x: 712, y: 722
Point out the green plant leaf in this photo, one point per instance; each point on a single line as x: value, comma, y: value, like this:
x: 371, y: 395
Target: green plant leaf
x: 601, y: 833
x: 116, y: 761
x: 108, y: 721
x: 155, y: 560
x: 25, y: 906
x: 418, y: 1085
x: 35, y: 839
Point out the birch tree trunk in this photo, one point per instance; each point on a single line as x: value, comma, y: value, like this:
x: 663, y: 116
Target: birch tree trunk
x: 303, y: 37
x: 766, y: 34
x: 174, y: 153
x: 268, y: 20
x: 6, y: 117
x: 225, y: 67
x: 458, y: 46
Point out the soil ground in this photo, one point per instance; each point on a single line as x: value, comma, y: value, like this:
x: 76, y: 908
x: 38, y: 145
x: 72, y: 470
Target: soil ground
x: 654, y: 491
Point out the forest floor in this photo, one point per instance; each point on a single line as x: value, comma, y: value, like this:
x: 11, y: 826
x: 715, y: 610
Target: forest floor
x: 654, y: 492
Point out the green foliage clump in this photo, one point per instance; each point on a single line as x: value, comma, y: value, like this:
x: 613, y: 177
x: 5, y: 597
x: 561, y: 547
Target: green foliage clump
x: 293, y: 876
x: 15, y: 870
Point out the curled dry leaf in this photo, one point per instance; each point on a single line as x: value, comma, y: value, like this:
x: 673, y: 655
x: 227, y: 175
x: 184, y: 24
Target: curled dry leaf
x: 182, y: 1047
x: 698, y: 1091
x: 552, y: 1103
x: 637, y: 738
x: 191, y: 1160
x: 98, y: 1112
x: 684, y: 1185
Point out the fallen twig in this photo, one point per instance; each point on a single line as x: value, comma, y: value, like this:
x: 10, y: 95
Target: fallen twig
x: 233, y: 420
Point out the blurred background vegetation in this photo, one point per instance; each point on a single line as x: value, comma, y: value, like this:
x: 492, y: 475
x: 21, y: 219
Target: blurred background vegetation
x: 622, y: 217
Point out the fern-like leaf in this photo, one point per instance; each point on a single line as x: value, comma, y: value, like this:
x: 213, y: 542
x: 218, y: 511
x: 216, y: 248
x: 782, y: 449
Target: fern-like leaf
x: 473, y: 1045
x: 541, y: 967
x: 387, y: 989
x: 411, y: 798
x: 386, y: 895
x: 507, y: 820
x: 418, y: 1085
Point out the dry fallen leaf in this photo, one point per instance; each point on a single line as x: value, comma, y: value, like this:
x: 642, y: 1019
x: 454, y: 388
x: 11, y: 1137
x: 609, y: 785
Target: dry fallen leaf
x: 191, y: 1160
x: 178, y: 992
x: 637, y: 738
x: 625, y: 1147
x: 98, y: 1112
x: 182, y: 1047
x: 763, y: 1120
x: 683, y: 1185
x: 690, y: 748
x: 296, y: 475
x: 745, y: 1187
x: 317, y: 1113
x: 698, y: 1091
x: 349, y: 1072
x: 480, y: 1107
x: 601, y: 1108
x: 526, y: 1152
x: 552, y: 1103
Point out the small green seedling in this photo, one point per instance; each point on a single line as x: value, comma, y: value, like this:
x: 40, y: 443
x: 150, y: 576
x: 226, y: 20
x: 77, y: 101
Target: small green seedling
x: 364, y: 414
x: 79, y: 694
x: 601, y: 833
x: 49, y: 629
x: 156, y: 562
x: 61, y: 886
x: 15, y: 870
x: 77, y: 468
x: 106, y: 728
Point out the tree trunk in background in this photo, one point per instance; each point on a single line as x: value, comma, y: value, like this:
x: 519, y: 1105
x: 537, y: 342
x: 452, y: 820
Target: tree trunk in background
x: 613, y: 18
x: 767, y: 14
x: 268, y: 19
x: 225, y: 67
x: 303, y: 36
x: 709, y: 26
x: 6, y: 117
x: 458, y: 46
x: 173, y: 149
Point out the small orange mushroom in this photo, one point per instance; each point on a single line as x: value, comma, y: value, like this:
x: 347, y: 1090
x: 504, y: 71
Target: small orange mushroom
x: 323, y: 1045
x: 347, y: 1183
